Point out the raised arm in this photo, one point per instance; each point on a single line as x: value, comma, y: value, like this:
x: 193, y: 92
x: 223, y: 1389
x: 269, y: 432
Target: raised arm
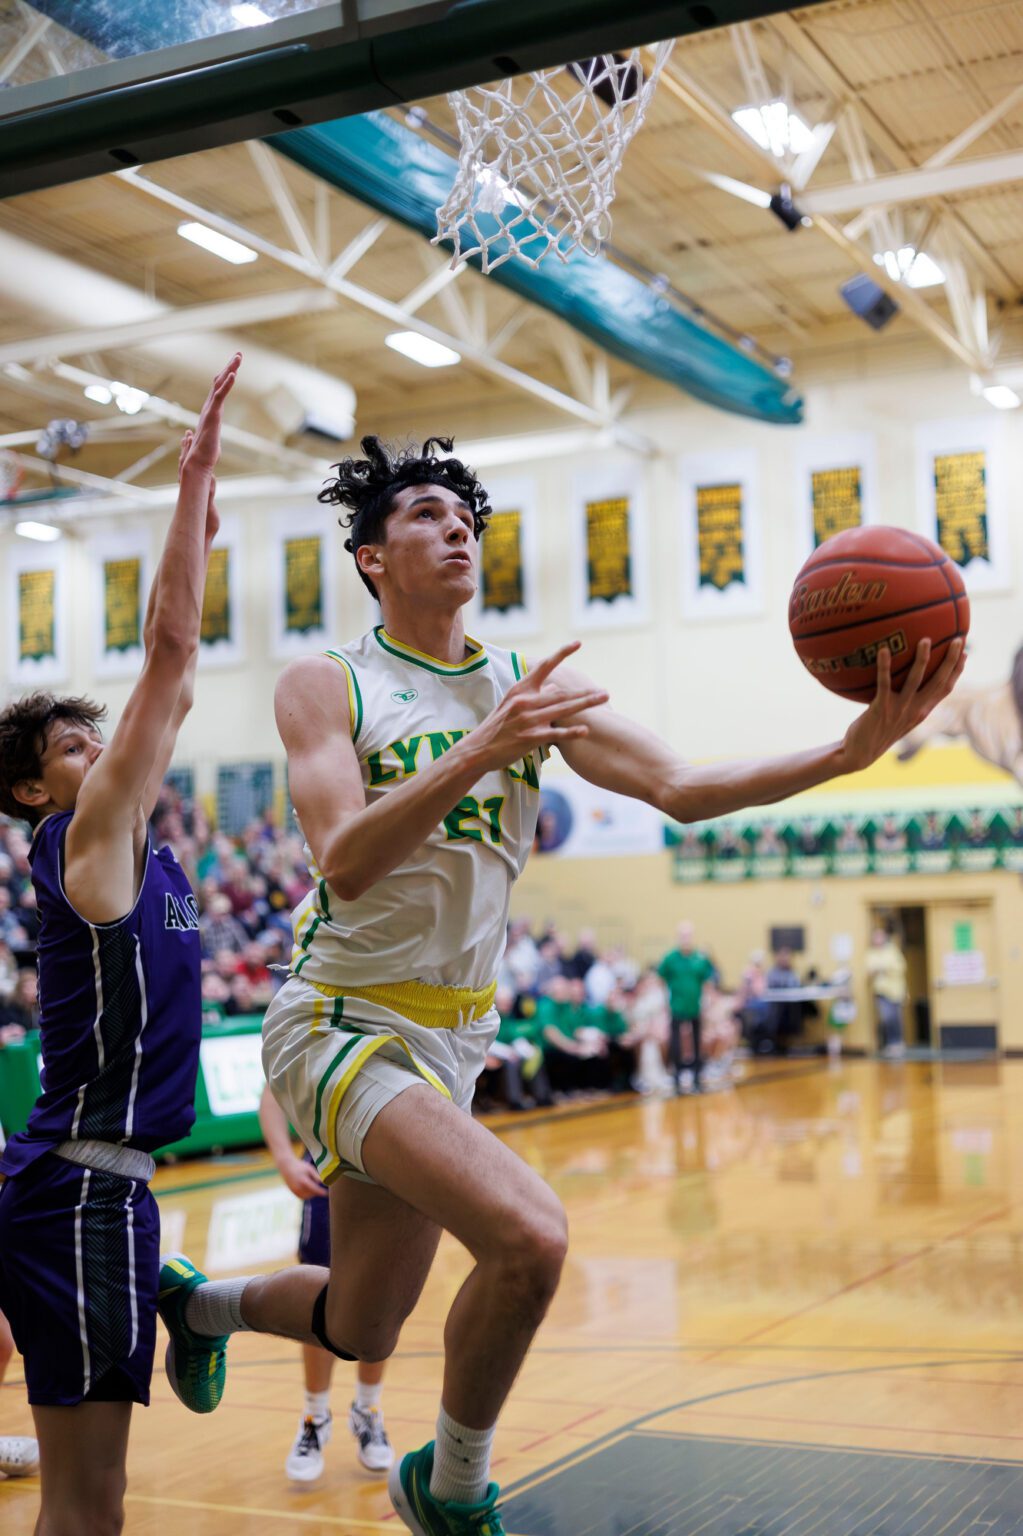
x: 356, y: 844
x: 619, y: 755
x: 107, y: 830
x: 186, y: 693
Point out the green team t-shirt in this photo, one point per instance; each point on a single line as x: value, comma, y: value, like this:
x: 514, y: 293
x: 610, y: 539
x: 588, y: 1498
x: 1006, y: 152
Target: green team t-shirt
x: 684, y: 976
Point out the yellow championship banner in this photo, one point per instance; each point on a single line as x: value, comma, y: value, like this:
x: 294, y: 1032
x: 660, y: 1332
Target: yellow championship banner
x: 216, y: 600
x: 303, y: 584
x: 122, y: 604
x: 501, y: 579
x: 608, y: 558
x: 719, y: 535
x: 837, y: 496
x: 960, y: 505
x: 37, y: 615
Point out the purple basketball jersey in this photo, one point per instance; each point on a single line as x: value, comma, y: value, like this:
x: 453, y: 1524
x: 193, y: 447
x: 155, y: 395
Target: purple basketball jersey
x: 120, y: 1011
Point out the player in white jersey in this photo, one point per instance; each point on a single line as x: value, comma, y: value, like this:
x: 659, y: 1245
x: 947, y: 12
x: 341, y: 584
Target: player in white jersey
x: 414, y: 757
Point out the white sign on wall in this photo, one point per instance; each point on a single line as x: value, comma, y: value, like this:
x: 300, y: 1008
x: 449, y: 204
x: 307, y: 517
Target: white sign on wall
x: 232, y: 1069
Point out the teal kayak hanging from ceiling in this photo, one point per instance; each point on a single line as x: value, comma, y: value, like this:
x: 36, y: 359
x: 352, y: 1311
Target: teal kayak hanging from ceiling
x: 383, y: 163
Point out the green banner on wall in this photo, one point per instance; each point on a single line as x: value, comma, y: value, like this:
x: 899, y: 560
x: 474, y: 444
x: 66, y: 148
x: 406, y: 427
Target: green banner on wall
x: 37, y: 615
x: 501, y: 578
x: 303, y: 584
x: 122, y: 604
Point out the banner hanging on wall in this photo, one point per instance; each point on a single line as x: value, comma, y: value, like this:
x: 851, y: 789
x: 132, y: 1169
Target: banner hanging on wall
x: 302, y: 580
x: 502, y: 579
x: 837, y: 499
x: 719, y: 536
x: 721, y: 575
x: 303, y: 584
x: 578, y: 820
x: 120, y: 582
x: 38, y: 620
x: 220, y: 629
x: 836, y: 487
x: 962, y: 495
x: 960, y: 505
x: 37, y: 616
x: 216, y: 599
x: 610, y: 554
x: 122, y: 605
x: 608, y: 549
x: 506, y: 606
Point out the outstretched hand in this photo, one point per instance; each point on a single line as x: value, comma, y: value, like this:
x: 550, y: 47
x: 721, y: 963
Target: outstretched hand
x: 893, y: 715
x: 536, y: 712
x: 200, y: 447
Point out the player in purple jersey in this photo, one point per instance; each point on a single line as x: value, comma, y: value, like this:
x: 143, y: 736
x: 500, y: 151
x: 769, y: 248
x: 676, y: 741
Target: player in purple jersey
x: 119, y: 959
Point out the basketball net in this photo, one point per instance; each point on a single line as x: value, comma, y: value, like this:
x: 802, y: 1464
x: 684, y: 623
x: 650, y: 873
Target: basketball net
x: 538, y: 158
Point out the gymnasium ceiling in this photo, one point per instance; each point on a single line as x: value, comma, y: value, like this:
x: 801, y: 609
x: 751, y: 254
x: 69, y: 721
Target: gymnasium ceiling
x: 917, y: 107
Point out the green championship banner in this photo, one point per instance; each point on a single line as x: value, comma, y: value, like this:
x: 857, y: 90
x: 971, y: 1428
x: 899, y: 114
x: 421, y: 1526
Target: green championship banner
x: 216, y: 600
x: 501, y: 579
x: 303, y: 584
x: 37, y: 615
x: 608, y: 555
x: 122, y: 604
x: 837, y: 498
x: 960, y: 505
x: 719, y: 535
x: 928, y: 842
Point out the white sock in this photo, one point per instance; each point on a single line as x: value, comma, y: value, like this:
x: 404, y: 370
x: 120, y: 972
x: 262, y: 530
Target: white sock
x: 317, y: 1405
x: 367, y: 1396
x: 215, y: 1307
x: 461, y: 1462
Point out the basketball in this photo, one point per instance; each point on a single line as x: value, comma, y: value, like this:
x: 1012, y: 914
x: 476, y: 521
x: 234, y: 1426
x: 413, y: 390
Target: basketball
x: 870, y: 587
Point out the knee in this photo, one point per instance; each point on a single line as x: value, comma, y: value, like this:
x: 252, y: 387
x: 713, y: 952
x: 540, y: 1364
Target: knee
x: 104, y: 1517
x: 533, y: 1249
x: 366, y: 1338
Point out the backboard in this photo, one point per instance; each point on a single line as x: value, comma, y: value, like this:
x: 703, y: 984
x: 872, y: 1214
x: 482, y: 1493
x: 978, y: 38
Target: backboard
x: 89, y: 86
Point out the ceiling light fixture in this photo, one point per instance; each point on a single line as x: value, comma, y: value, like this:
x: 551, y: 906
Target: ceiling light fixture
x: 430, y: 354
x: 1001, y: 397
x: 218, y: 244
x: 775, y: 128
x: 908, y: 265
x: 129, y: 400
x: 99, y: 393
x: 44, y: 532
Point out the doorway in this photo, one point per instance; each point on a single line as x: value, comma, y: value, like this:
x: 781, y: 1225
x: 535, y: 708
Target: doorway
x: 908, y: 925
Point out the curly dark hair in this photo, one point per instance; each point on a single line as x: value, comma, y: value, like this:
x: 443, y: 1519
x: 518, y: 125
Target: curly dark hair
x: 367, y: 487
x: 24, y: 726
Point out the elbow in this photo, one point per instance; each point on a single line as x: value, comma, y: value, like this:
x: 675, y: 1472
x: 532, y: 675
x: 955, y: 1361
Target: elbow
x: 174, y: 641
x: 345, y: 884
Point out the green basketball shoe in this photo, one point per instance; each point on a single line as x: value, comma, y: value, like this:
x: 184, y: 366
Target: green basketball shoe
x: 196, y: 1364
x: 409, y: 1487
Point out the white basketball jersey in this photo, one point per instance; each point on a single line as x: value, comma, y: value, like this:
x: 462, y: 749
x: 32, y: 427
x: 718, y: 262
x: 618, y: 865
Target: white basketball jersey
x: 440, y: 916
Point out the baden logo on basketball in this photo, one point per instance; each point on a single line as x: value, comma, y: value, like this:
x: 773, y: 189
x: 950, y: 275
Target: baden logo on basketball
x: 846, y: 593
x: 405, y: 695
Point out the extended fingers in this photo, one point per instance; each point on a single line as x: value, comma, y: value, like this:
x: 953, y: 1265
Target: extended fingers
x: 575, y: 703
x: 543, y: 669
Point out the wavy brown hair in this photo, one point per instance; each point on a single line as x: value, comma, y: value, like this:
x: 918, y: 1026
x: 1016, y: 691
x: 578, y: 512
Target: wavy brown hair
x: 367, y: 487
x: 24, y: 727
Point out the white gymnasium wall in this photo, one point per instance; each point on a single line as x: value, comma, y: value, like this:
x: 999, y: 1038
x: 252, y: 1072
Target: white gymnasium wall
x: 713, y: 688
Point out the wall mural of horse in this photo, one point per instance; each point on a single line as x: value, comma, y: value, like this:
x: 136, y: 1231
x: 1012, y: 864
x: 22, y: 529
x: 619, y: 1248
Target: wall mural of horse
x: 990, y: 719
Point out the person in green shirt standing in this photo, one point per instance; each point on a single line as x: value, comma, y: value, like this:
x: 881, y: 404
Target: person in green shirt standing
x: 684, y: 970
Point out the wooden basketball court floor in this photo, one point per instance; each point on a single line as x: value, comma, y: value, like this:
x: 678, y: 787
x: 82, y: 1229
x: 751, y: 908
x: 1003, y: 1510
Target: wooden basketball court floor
x: 788, y: 1310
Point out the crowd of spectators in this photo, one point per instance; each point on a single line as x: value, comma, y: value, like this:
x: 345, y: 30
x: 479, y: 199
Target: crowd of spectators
x: 577, y: 1018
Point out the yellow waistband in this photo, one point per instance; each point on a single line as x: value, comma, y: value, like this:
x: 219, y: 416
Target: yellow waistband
x: 430, y: 1007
